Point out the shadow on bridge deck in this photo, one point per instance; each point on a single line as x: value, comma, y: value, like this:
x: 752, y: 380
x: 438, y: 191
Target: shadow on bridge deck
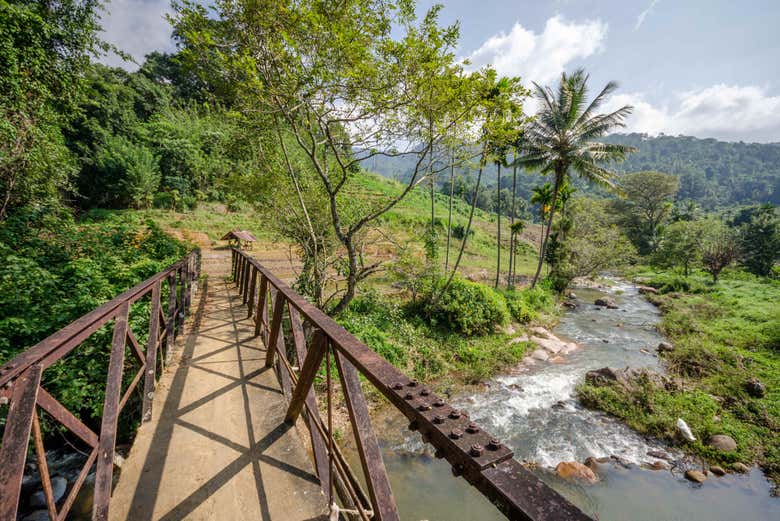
x: 217, y: 446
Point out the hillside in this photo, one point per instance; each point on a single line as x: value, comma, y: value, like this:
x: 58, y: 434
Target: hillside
x: 713, y: 173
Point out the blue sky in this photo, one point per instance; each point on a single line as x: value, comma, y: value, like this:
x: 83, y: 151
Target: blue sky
x: 704, y: 68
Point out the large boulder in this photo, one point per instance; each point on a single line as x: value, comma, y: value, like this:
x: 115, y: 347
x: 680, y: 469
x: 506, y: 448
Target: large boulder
x: 644, y: 290
x: 601, y: 377
x: 755, y: 388
x: 606, y: 302
x: 722, y: 442
x: 540, y: 354
x: 552, y: 345
x: 576, y: 470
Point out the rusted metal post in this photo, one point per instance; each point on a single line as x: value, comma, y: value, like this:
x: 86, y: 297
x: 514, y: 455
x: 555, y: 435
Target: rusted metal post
x: 16, y: 437
x: 252, y: 286
x: 170, y: 325
x: 151, y: 353
x: 276, y: 326
x: 319, y: 345
x: 43, y: 468
x: 374, y: 470
x: 317, y: 441
x: 262, y: 306
x: 105, y: 462
x: 245, y: 282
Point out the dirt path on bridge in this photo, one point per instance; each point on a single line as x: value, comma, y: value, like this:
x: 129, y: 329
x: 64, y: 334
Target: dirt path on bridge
x: 217, y: 446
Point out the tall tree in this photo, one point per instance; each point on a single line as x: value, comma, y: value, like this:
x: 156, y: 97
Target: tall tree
x: 501, y: 118
x: 44, y: 50
x: 759, y: 240
x: 348, y: 81
x: 563, y: 137
x: 648, y: 202
x: 542, y: 196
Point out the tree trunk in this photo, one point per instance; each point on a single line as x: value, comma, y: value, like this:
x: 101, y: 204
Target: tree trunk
x: 543, y: 250
x: 468, y: 227
x: 498, y: 239
x: 449, y: 210
x: 512, y: 235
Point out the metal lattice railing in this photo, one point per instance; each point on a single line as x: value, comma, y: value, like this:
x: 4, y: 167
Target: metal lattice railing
x: 21, y: 389
x: 313, y: 337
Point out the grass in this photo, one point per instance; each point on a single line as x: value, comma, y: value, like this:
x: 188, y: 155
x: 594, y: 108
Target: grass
x: 724, y: 335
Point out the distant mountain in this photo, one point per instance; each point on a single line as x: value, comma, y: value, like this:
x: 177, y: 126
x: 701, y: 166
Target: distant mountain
x: 713, y: 173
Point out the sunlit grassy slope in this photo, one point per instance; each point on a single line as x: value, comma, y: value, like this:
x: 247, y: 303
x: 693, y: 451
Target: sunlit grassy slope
x: 401, y: 228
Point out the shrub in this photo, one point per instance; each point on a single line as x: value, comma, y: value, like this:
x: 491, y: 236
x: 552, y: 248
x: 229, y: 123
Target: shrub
x: 466, y: 307
x: 675, y: 283
x: 525, y: 305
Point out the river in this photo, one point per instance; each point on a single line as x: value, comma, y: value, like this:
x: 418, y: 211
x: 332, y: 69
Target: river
x: 535, y: 411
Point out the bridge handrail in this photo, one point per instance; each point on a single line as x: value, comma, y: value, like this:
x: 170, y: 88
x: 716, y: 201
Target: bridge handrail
x: 20, y: 386
x: 481, y: 459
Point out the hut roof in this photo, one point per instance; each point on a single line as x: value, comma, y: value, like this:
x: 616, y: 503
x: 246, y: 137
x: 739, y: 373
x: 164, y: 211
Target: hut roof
x: 241, y: 235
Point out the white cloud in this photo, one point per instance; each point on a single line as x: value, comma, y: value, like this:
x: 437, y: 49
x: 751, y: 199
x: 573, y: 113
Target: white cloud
x: 137, y: 27
x: 541, y: 57
x: 641, y: 18
x: 728, y: 112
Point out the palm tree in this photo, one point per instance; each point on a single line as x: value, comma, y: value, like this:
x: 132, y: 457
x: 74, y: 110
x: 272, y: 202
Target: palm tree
x: 563, y: 138
x: 542, y: 196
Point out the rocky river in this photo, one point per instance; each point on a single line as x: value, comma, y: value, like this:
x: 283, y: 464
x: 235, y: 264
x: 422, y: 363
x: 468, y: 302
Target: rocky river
x: 534, y: 409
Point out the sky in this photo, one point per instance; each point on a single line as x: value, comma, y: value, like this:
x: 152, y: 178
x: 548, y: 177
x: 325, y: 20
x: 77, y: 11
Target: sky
x: 706, y: 68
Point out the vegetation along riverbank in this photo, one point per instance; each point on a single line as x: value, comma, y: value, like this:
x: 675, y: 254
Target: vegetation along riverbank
x: 723, y: 363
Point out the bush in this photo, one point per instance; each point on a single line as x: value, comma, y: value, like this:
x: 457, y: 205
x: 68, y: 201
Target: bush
x: 525, y: 305
x: 675, y: 283
x: 466, y: 307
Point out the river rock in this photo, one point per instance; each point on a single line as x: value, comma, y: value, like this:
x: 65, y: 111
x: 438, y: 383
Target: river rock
x: 644, y: 290
x: 696, y: 476
x: 541, y: 332
x: 575, y: 469
x: 665, y: 347
x: 58, y: 487
x: 722, y: 442
x: 740, y: 467
x: 518, y: 339
x: 606, y: 302
x: 569, y: 305
x: 718, y: 471
x: 660, y: 455
x: 603, y: 376
x: 553, y: 346
x: 684, y: 430
x: 656, y: 465
x: 572, y: 295
x: 755, y: 388
x: 540, y: 354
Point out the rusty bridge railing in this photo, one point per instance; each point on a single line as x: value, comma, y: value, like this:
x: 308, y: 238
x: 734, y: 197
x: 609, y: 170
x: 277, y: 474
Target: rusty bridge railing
x: 22, y: 391
x: 299, y: 337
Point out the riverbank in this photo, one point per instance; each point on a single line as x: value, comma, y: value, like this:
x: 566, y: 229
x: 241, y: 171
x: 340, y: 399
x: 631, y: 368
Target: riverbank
x: 535, y: 409
x: 723, y: 362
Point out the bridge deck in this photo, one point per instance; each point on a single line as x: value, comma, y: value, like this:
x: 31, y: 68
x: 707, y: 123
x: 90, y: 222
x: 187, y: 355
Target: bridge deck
x: 217, y: 446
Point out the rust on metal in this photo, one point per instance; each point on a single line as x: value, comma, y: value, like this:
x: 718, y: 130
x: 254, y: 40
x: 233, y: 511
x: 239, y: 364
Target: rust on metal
x: 105, y: 461
x: 16, y: 436
x: 473, y: 452
x: 368, y: 447
x: 151, y: 354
